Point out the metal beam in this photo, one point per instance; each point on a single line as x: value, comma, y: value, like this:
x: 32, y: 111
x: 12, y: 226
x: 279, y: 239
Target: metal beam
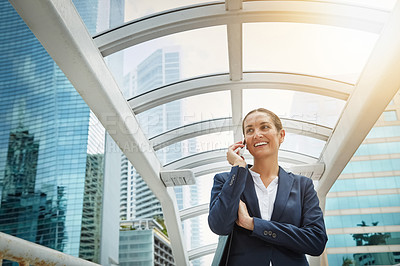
x: 202, y: 251
x: 213, y: 14
x: 235, y: 50
x: 191, y: 131
x: 225, y: 124
x: 237, y: 113
x: 259, y: 80
x: 233, y: 5
x: 59, y: 28
x: 28, y: 253
x: 378, y: 83
x: 194, y: 211
x: 215, y: 156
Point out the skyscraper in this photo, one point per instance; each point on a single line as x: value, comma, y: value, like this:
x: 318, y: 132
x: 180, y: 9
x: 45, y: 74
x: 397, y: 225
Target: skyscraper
x: 160, y: 68
x: 362, y: 208
x: 51, y: 147
x: 137, y: 201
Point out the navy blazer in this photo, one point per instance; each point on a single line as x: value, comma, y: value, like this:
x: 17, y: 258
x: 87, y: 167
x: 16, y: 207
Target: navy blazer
x: 296, y: 227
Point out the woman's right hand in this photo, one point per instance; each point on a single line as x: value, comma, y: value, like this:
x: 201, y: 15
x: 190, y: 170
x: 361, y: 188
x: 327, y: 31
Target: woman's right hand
x: 233, y: 156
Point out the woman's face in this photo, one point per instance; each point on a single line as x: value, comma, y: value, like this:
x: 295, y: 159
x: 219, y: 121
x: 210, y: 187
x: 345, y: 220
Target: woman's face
x: 261, y: 136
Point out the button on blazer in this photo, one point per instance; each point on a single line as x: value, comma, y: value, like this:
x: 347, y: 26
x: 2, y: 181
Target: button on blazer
x: 296, y: 227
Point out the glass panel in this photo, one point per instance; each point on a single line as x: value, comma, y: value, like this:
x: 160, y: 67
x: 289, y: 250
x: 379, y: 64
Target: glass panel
x: 165, y: 60
x: 303, y: 144
x: 206, y: 237
x: 351, y: 240
x: 303, y: 106
x: 384, y: 132
x: 186, y: 111
x: 362, y: 202
x: 366, y: 183
x: 372, y: 166
x: 378, y: 148
x: 319, y: 50
x: 200, y: 193
x: 209, y: 142
x: 389, y: 258
x: 343, y: 221
x: 101, y: 15
x: 206, y: 106
x: 135, y: 9
x: 378, y: 4
x: 390, y: 116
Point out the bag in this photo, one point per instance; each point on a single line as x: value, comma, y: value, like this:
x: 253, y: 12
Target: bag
x: 222, y: 252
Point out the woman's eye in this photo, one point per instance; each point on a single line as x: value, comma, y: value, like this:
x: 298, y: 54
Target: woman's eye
x: 249, y: 130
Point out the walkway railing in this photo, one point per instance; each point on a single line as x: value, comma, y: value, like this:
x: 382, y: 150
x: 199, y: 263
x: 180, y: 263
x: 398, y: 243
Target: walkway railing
x: 27, y: 253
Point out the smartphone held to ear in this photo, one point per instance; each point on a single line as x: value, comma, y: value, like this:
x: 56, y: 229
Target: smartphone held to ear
x: 241, y: 151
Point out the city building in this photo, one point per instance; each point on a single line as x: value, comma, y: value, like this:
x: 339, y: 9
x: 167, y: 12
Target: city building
x: 362, y: 214
x: 51, y: 146
x: 137, y: 200
x: 142, y: 242
x: 159, y: 68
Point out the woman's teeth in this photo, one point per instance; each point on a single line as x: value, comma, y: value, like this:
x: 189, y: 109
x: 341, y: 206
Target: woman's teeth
x: 260, y: 143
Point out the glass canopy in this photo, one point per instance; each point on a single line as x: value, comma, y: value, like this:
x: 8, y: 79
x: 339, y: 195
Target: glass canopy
x: 188, y: 71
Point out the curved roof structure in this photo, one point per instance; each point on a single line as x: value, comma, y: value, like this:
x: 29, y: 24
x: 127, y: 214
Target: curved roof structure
x: 355, y: 82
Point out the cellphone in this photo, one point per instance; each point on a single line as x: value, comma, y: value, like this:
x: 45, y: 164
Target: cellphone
x: 241, y: 151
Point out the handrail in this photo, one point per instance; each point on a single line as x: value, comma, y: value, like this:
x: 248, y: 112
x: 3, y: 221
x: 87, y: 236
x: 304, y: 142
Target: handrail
x: 29, y: 253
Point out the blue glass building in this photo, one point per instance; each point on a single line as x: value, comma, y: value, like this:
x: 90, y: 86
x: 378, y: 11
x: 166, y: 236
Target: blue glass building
x: 362, y: 208
x: 51, y: 161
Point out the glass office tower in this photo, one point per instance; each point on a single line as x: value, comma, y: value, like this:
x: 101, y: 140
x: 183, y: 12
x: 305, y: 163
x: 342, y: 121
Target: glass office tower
x: 363, y: 207
x: 51, y: 146
x: 159, y: 68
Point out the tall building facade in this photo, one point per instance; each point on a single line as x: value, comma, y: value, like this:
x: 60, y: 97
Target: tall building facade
x: 363, y: 207
x: 160, y: 68
x: 137, y: 200
x: 51, y: 145
x: 142, y: 242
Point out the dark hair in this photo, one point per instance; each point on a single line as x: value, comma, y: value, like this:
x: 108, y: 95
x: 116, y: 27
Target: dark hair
x: 275, y: 119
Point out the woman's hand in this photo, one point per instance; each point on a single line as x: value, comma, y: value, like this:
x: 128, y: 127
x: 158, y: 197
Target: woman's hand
x: 244, y: 220
x: 233, y: 156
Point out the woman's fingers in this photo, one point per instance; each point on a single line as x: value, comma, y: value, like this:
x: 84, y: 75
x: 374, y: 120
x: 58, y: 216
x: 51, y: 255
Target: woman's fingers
x: 233, y: 156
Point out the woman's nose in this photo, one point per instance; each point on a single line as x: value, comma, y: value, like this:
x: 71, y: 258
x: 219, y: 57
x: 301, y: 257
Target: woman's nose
x: 257, y: 134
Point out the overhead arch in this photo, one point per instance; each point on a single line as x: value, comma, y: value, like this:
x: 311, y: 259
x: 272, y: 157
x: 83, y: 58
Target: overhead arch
x: 219, y: 155
x: 251, y: 80
x: 214, y: 14
x: 202, y: 251
x: 225, y: 124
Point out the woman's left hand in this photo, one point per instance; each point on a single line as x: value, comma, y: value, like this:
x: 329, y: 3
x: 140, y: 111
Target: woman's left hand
x: 244, y: 220
x: 233, y: 156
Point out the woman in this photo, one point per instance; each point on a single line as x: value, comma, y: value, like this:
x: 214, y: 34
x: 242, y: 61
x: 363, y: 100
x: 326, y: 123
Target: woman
x: 272, y: 217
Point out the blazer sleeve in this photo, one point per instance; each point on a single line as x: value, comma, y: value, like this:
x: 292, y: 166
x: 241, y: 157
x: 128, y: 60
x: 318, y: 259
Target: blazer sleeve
x: 225, y: 196
x: 309, y: 238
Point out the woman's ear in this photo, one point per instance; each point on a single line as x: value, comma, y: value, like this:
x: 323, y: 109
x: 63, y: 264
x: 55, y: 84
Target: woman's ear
x: 281, y: 136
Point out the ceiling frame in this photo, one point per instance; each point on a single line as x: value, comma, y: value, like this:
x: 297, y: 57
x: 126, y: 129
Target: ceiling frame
x: 251, y: 80
x: 214, y: 14
x: 376, y: 87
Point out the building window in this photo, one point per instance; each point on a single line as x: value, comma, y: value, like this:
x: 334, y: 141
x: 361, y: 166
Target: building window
x: 390, y: 116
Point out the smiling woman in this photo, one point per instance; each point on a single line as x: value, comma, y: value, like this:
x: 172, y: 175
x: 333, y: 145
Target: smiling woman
x: 272, y: 217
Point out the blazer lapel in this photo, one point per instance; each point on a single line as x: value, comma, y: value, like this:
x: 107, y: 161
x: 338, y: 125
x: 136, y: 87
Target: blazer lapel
x: 285, y: 183
x: 249, y: 196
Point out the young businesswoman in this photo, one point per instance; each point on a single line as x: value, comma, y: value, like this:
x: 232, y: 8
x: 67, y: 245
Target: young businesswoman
x: 272, y: 217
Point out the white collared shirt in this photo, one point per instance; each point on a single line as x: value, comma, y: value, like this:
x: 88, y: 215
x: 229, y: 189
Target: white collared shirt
x: 266, y: 196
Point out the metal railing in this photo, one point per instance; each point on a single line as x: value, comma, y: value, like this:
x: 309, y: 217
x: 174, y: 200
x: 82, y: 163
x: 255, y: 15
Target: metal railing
x: 27, y: 253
